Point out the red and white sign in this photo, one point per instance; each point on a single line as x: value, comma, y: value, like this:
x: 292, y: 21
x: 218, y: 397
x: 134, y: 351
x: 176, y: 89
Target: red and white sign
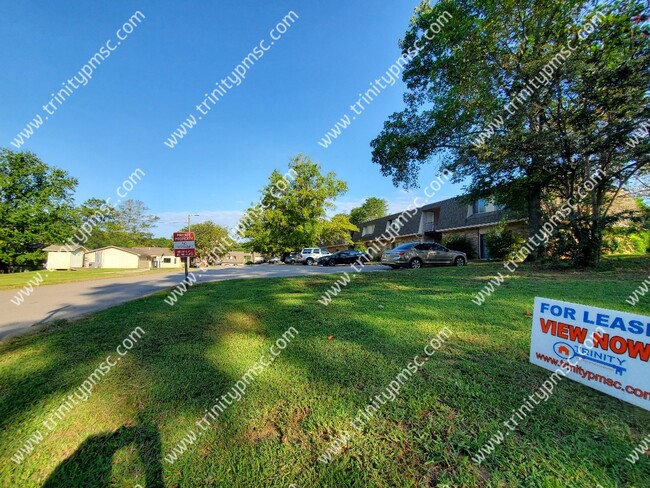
x: 184, y: 244
x: 184, y: 253
x: 604, y: 349
x: 183, y: 236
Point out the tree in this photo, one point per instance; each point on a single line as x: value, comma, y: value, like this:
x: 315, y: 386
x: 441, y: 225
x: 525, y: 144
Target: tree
x: 36, y: 208
x: 129, y: 224
x: 97, y: 223
x: 291, y: 214
x: 207, y: 237
x: 338, y: 230
x: 518, y: 101
x: 372, y: 208
x: 158, y: 242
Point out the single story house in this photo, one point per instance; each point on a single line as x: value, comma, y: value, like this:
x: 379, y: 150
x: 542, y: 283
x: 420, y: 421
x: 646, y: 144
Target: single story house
x: 64, y: 257
x: 437, y: 221
x: 114, y: 257
x: 158, y: 257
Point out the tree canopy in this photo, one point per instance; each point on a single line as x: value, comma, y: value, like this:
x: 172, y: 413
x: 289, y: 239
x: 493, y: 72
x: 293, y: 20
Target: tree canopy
x: 36, y: 207
x: 292, y: 211
x: 127, y: 225
x: 207, y: 237
x: 372, y: 208
x: 338, y: 230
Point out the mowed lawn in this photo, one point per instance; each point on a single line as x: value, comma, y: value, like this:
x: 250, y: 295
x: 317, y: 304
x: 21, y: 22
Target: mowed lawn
x: 54, y: 277
x: 344, y: 355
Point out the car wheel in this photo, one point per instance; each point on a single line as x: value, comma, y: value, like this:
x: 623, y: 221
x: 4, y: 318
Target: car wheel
x: 459, y: 261
x: 331, y: 262
x: 415, y: 263
x: 310, y: 261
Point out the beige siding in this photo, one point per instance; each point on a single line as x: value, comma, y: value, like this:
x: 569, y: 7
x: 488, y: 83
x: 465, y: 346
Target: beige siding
x: 116, y: 258
x: 174, y: 262
x: 58, y: 260
x: 77, y: 259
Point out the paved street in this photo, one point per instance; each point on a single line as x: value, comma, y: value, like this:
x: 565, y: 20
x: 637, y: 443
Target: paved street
x: 71, y: 300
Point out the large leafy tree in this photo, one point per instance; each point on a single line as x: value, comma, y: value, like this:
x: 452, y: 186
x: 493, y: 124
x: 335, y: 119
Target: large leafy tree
x: 207, y: 237
x: 292, y: 211
x: 98, y: 216
x: 515, y: 99
x: 371, y: 208
x: 338, y: 230
x: 130, y: 224
x: 36, y: 207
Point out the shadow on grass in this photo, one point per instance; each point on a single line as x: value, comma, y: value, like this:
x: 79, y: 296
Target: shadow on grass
x: 91, y: 464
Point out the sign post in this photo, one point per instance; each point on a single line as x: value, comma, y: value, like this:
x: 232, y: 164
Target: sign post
x: 184, y: 247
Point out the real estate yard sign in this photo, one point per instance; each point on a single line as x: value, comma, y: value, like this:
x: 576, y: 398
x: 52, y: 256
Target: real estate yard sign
x: 604, y: 349
x: 184, y: 245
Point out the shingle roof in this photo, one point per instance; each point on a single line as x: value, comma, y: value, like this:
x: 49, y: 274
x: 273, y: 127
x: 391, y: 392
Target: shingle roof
x: 451, y: 214
x: 57, y: 247
x: 153, y: 251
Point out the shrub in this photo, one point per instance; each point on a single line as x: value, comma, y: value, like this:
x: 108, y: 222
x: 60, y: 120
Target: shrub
x: 502, y: 242
x: 623, y: 241
x: 460, y: 243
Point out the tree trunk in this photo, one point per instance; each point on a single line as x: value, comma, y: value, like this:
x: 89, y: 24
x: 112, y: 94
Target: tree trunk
x: 534, y: 206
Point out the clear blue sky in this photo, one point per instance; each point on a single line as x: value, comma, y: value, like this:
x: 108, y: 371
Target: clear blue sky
x: 154, y: 79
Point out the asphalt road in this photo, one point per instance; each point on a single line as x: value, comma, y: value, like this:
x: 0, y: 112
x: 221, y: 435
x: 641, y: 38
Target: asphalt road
x: 73, y: 300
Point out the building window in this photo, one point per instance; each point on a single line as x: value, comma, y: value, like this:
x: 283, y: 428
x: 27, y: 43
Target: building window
x: 480, y: 206
x: 167, y: 260
x: 368, y: 229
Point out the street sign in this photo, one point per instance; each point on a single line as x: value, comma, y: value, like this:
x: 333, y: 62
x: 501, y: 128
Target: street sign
x: 184, y: 245
x: 183, y: 236
x: 184, y: 253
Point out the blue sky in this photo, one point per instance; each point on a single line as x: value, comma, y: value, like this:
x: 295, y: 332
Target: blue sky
x: 154, y: 79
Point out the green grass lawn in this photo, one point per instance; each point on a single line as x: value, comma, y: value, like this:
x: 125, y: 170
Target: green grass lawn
x: 18, y: 280
x: 344, y: 354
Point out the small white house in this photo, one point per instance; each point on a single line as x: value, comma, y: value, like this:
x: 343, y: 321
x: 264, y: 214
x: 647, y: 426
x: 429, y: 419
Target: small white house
x: 112, y: 257
x: 64, y: 257
x: 158, y: 257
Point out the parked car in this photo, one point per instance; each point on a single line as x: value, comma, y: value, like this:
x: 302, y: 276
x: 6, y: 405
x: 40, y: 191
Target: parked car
x: 290, y: 257
x: 419, y: 254
x: 274, y: 260
x: 340, y: 257
x: 310, y: 255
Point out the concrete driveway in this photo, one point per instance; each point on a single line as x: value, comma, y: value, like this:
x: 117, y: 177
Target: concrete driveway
x: 72, y: 300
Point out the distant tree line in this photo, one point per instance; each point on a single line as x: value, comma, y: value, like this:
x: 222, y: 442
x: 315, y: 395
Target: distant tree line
x: 37, y: 209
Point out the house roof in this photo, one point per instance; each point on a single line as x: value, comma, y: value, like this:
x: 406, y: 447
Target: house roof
x: 58, y: 248
x: 153, y: 251
x: 449, y: 214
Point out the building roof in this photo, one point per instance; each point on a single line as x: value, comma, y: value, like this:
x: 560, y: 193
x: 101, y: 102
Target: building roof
x: 153, y: 251
x: 449, y: 214
x: 62, y: 248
